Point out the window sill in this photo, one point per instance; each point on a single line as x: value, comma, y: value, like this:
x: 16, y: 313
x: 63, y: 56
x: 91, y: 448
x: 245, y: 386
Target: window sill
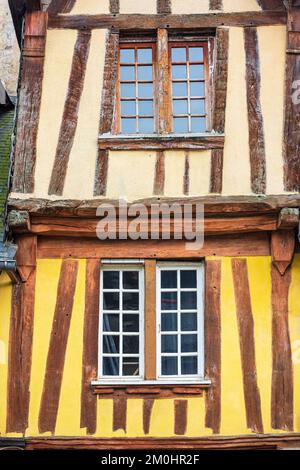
x: 150, y: 390
x: 205, y: 141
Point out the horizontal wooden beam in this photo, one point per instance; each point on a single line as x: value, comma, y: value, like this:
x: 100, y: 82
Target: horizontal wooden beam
x: 162, y: 142
x: 233, y: 442
x: 210, y: 20
x: 149, y: 391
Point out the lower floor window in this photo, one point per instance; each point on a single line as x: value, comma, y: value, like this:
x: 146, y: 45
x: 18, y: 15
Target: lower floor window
x: 175, y: 322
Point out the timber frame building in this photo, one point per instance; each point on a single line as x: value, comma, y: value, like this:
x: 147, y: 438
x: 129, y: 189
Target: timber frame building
x: 144, y: 343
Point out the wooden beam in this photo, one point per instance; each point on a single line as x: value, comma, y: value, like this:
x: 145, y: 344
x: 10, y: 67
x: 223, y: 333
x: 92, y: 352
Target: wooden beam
x: 180, y: 420
x: 147, y: 412
x: 119, y: 413
x: 282, y: 249
x: 150, y: 320
x: 159, y: 175
x: 61, y: 6
x: 26, y: 255
x: 29, y: 102
x: 255, y: 118
x: 209, y: 20
x: 114, y: 6
x: 271, y: 4
x: 70, y: 114
x: 213, y: 344
x: 164, y: 7
x: 216, y: 4
x: 163, y: 83
x: 288, y: 219
x: 186, y: 175
x: 58, y: 345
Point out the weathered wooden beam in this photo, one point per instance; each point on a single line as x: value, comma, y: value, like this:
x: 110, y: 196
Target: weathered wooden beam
x: 288, y: 219
x: 209, y: 20
x: 162, y: 142
x: 61, y: 6
x: 271, y: 4
x: 150, y: 320
x: 164, y: 6
x: 159, y: 174
x: 216, y: 4
x: 282, y: 249
x: 163, y: 83
x: 114, y: 6
x: 26, y: 255
x: 180, y: 418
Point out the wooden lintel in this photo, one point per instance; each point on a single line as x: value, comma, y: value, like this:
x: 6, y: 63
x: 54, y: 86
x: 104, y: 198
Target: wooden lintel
x: 210, y: 20
x: 282, y: 249
x: 149, y: 391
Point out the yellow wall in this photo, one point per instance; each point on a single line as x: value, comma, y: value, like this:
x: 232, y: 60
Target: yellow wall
x: 233, y: 415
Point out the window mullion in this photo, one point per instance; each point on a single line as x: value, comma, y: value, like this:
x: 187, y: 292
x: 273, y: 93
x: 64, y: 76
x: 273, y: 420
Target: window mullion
x: 163, y: 83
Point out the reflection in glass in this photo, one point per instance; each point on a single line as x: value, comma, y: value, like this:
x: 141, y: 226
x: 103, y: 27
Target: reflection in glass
x: 111, y: 279
x: 130, y: 279
x: 179, y: 72
x: 111, y: 344
x: 189, y: 321
x: 180, y: 89
x: 144, y: 72
x: 189, y: 365
x: 130, y: 300
x: 198, y: 124
x: 196, y: 72
x: 127, y: 73
x: 168, y: 279
x: 181, y: 125
x: 169, y: 344
x: 188, y: 279
x: 197, y: 89
x: 128, y: 126
x: 130, y: 323
x: 188, y: 343
x: 180, y: 107
x: 145, y: 90
x: 130, y: 344
x: 146, y: 125
x: 196, y: 54
x: 178, y: 54
x: 197, y: 106
x: 146, y: 108
x: 110, y: 366
x: 127, y: 90
x: 169, y: 365
x: 128, y: 108
x: 169, y: 300
x: 131, y: 366
x: 145, y: 56
x: 110, y: 322
x: 188, y: 300
x: 127, y: 56
x: 111, y: 300
x: 169, y: 322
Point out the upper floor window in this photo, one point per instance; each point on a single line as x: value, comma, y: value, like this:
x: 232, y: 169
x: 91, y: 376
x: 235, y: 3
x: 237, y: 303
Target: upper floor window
x: 186, y: 86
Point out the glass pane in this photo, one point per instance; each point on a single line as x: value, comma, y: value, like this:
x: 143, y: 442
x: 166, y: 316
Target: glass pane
x: 197, y: 89
x: 110, y: 322
x: 189, y: 365
x: 145, y: 90
x: 145, y: 56
x: 128, y: 108
x: 127, y: 90
x: 196, y: 72
x: 127, y: 56
x: 169, y: 365
x: 189, y: 343
x: 188, y: 300
x: 196, y: 54
x: 111, y: 279
x: 179, y: 72
x: 169, y: 300
x: 110, y: 366
x: 180, y: 89
x: 130, y: 344
x: 130, y: 279
x: 146, y: 126
x: 128, y: 126
x: 131, y: 366
x: 188, y: 278
x: 180, y: 125
x: 169, y: 344
x: 131, y: 323
x: 127, y: 73
x: 111, y: 344
x: 178, y: 54
x: 169, y: 322
x: 197, y: 106
x: 130, y: 300
x: 198, y: 124
x: 145, y: 108
x: 168, y: 279
x: 145, y: 72
x: 189, y: 321
x: 111, y: 301
x: 180, y: 106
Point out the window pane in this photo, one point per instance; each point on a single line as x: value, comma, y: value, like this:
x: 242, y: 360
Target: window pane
x: 110, y: 322
x: 111, y: 279
x: 110, y: 366
x: 127, y: 90
x: 146, y: 126
x: 189, y: 322
x: 145, y: 90
x: 128, y: 126
x: 189, y: 343
x: 198, y: 124
x: 196, y: 54
x: 127, y: 56
x: 169, y: 300
x: 131, y: 323
x: 168, y: 279
x: 169, y: 322
x: 111, y: 301
x: 145, y: 56
x: 127, y: 73
x: 197, y: 106
x: 179, y: 72
x: 130, y: 344
x: 196, y: 72
x: 130, y: 279
x: 197, y: 89
x: 145, y: 108
x: 189, y: 365
x: 145, y: 72
x: 181, y: 125
x: 180, y: 89
x: 128, y: 108
x: 180, y: 107
x: 188, y: 279
x: 169, y: 344
x: 111, y: 344
x: 169, y: 365
x: 178, y: 54
x: 130, y: 300
x: 131, y: 366
x: 188, y: 300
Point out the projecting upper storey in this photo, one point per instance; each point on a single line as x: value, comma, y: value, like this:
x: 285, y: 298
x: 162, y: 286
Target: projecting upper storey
x: 191, y: 99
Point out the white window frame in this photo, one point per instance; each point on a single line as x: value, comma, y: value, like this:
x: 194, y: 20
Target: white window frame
x: 117, y: 379
x: 199, y: 377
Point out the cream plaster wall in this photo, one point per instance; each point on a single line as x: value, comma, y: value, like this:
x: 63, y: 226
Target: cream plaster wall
x: 90, y: 7
x: 134, y: 6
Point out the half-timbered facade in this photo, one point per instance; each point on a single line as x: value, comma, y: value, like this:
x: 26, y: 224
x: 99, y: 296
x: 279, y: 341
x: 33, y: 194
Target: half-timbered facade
x: 145, y: 343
